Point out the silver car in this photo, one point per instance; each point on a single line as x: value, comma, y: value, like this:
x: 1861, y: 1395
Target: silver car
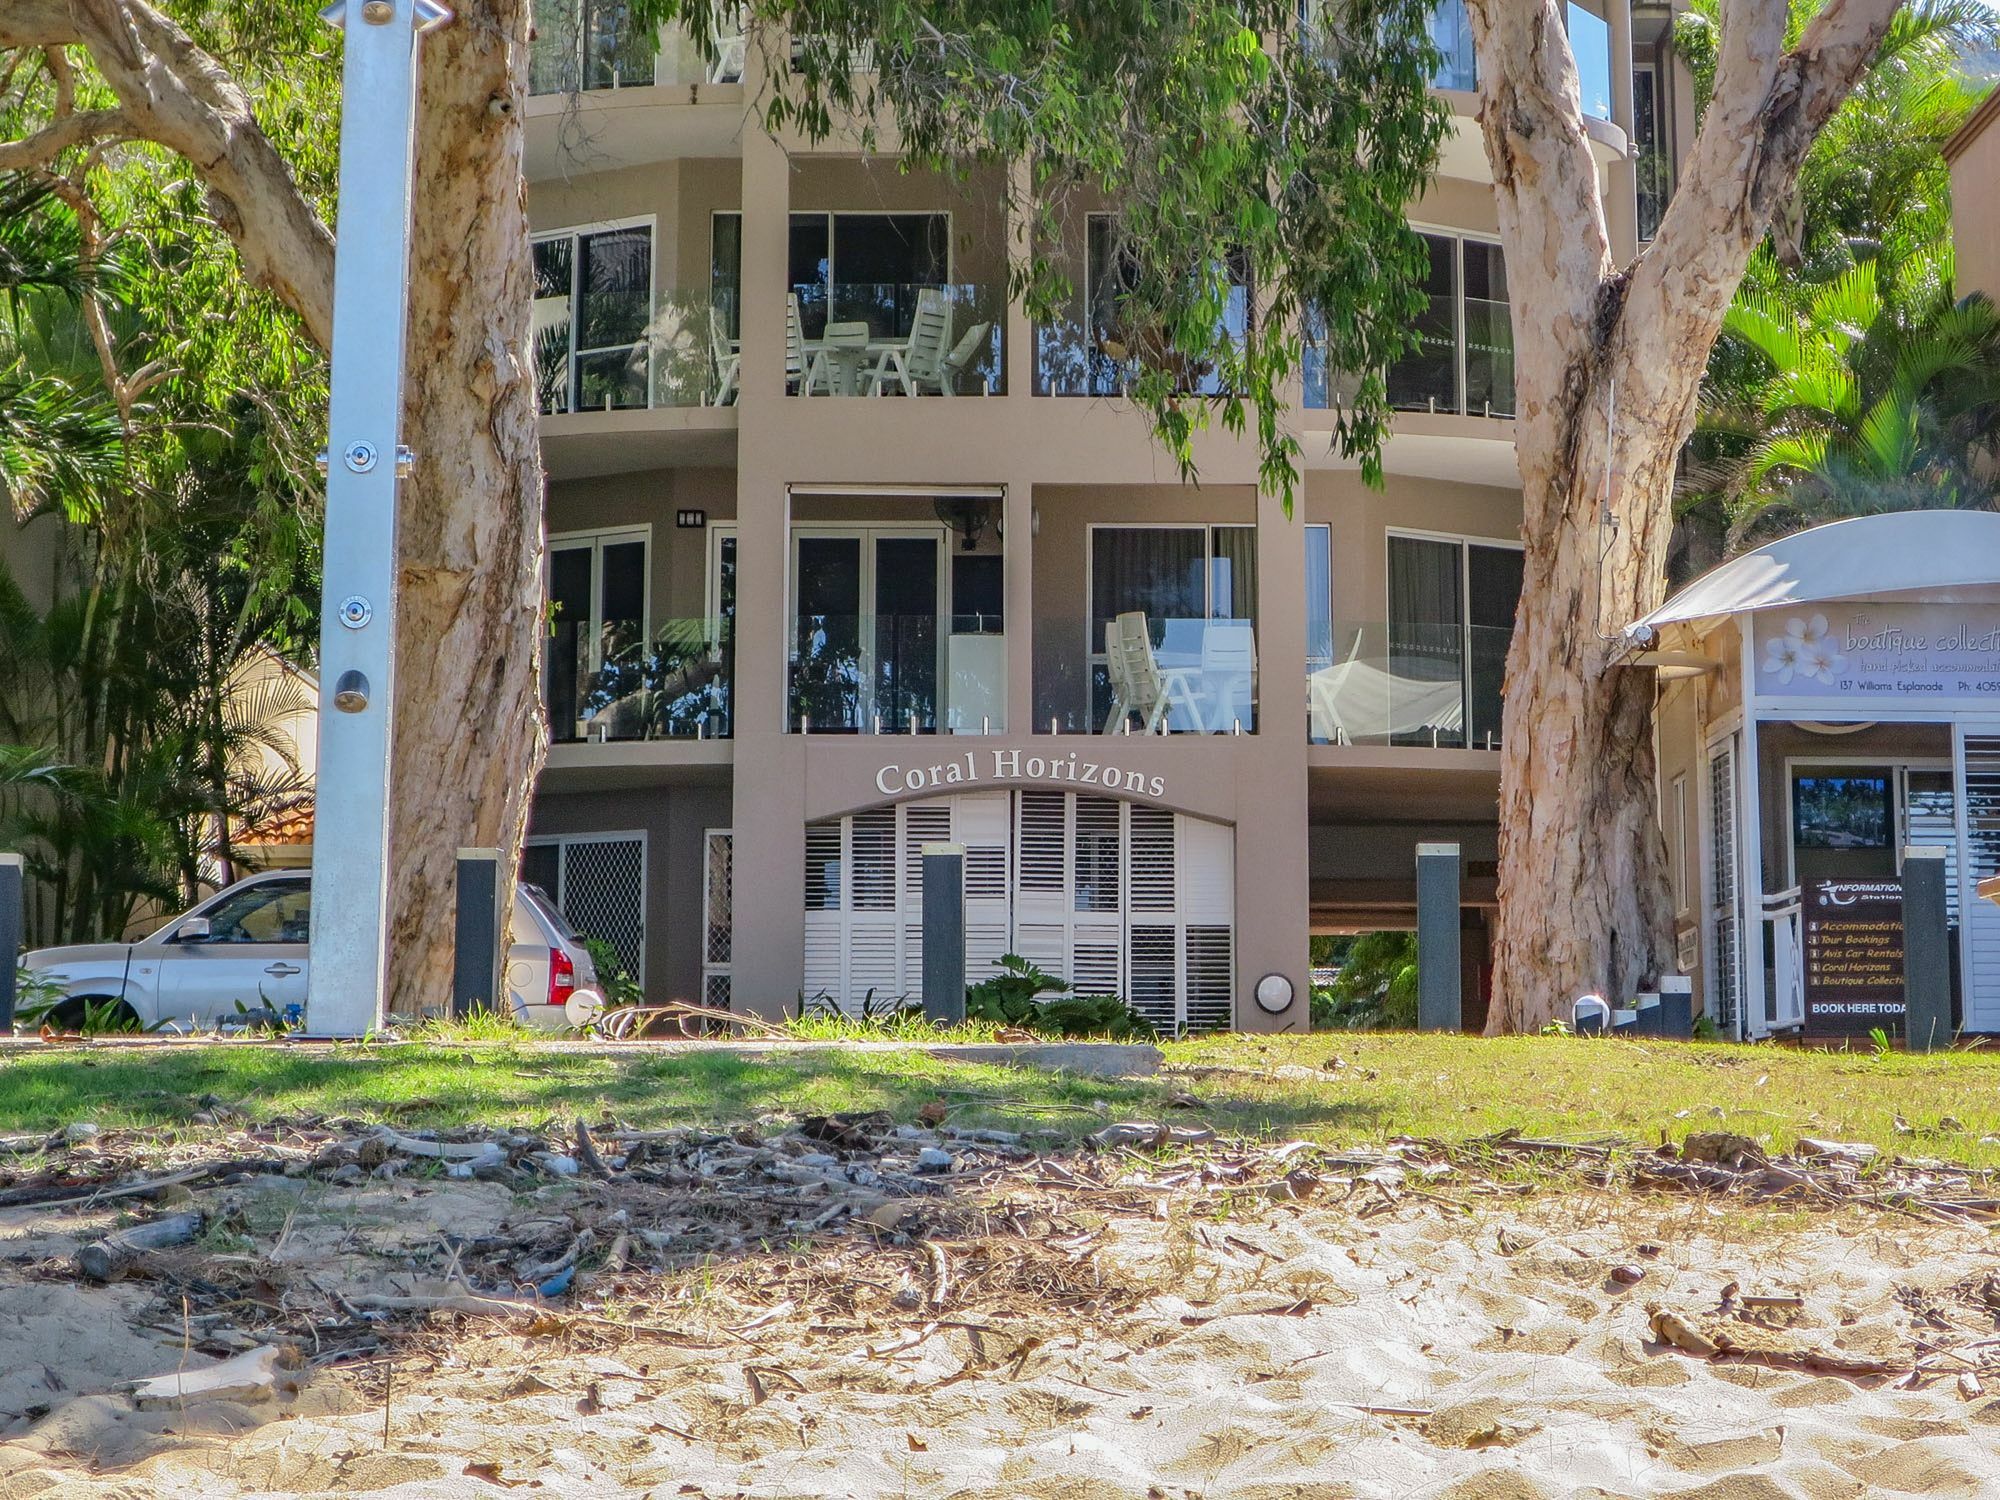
x: 244, y: 949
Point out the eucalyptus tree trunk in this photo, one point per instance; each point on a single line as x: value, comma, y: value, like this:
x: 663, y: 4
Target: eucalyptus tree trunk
x: 1608, y: 363
x: 468, y: 737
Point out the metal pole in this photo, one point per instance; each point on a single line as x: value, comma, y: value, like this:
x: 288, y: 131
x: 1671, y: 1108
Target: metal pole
x: 476, y: 976
x: 1440, y: 1005
x: 12, y: 881
x: 357, y: 630
x: 1926, y: 951
x: 944, y: 933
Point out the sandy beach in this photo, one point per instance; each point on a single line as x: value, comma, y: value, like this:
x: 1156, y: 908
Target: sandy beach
x: 1281, y: 1352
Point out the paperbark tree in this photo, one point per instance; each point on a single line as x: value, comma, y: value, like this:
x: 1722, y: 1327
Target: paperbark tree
x: 1608, y: 364
x: 468, y: 740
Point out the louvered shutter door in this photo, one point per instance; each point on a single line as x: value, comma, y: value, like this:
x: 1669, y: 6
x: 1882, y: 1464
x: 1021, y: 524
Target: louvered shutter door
x: 874, y: 976
x: 1979, y: 774
x: 1041, y: 899
x: 1207, y: 901
x: 1153, y: 988
x: 826, y: 919
x: 922, y: 823
x: 982, y: 821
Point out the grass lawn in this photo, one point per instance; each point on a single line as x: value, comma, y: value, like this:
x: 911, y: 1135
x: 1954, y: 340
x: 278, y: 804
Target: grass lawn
x: 1388, y: 1084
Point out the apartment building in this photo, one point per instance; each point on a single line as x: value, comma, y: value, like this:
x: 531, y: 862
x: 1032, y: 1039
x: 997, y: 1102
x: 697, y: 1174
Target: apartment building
x: 848, y: 555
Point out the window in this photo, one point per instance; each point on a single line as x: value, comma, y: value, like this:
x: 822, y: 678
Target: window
x: 1464, y: 358
x: 725, y: 269
x: 1180, y: 578
x: 598, y: 883
x: 597, y: 628
x: 1451, y: 617
x: 1649, y: 142
x: 588, y: 44
x: 593, y: 301
x: 866, y: 268
x: 276, y: 912
x: 1319, y: 597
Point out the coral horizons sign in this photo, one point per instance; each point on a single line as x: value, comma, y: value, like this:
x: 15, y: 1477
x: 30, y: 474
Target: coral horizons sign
x: 1015, y: 765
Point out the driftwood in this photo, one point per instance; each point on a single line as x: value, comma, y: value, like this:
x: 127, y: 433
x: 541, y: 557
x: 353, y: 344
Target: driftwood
x: 117, y: 1255
x: 624, y: 1021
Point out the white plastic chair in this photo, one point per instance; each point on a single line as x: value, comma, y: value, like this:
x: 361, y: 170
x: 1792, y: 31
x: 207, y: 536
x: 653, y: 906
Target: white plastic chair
x: 1228, y: 673
x: 1138, y: 684
x: 728, y: 359
x: 803, y: 376
x: 963, y: 353
x: 920, y: 360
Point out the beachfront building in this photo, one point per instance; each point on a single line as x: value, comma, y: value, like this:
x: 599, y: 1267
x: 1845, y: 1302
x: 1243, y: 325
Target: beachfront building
x: 848, y: 556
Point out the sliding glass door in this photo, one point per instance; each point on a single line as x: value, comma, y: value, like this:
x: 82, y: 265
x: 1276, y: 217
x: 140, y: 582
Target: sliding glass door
x: 866, y: 641
x: 1451, y: 616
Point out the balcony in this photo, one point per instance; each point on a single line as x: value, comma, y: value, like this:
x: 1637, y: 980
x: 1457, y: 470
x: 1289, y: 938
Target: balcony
x: 588, y: 46
x: 1463, y: 363
x: 1433, y: 686
x: 1589, y: 41
x: 898, y: 674
x: 632, y: 349
x: 896, y: 338
x: 676, y: 684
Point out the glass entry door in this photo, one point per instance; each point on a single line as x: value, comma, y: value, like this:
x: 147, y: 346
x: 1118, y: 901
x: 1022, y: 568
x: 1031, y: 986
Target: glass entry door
x: 866, y: 641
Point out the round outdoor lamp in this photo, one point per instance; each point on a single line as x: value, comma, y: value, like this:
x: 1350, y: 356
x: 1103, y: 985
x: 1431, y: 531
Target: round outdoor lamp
x: 1274, y: 993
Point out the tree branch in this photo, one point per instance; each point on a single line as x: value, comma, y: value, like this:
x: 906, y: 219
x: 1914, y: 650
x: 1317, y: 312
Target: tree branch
x: 1768, y: 106
x: 69, y: 131
x: 175, y: 95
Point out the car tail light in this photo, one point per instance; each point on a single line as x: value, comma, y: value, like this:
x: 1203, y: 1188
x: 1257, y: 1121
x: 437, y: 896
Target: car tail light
x: 562, y: 977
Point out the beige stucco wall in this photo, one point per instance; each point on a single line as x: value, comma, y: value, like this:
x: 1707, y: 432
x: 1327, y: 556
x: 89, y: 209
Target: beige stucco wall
x: 1975, y: 202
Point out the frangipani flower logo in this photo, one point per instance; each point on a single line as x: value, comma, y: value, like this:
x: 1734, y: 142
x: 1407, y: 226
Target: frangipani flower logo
x: 1803, y: 651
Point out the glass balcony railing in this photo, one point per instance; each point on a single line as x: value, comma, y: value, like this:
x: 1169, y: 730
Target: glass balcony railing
x: 583, y: 46
x: 1469, y: 376
x: 1396, y: 683
x: 676, y: 684
x: 898, y: 674
x: 630, y: 350
x: 1148, y: 676
x: 896, y: 338
x: 1589, y: 41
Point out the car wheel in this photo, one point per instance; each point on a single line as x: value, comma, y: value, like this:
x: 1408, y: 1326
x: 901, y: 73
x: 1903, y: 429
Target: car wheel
x: 101, y: 1013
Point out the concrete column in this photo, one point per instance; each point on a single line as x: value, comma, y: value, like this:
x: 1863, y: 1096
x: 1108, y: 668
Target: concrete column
x: 1019, y: 348
x: 1271, y: 830
x: 478, y: 932
x: 1440, y: 998
x: 1926, y: 951
x: 1018, y: 512
x: 768, y: 890
x: 944, y: 933
x: 1621, y: 204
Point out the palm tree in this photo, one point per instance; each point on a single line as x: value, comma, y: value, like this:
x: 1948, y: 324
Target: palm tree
x: 1850, y: 397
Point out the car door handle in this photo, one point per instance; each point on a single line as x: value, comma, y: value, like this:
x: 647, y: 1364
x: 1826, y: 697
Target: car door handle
x: 281, y: 969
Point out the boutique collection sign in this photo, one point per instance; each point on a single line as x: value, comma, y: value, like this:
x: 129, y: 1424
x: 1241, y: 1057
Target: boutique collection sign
x: 974, y: 766
x: 1916, y: 652
x: 1854, y: 956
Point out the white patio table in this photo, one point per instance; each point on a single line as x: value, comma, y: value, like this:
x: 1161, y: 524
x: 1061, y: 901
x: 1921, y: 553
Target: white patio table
x: 847, y: 352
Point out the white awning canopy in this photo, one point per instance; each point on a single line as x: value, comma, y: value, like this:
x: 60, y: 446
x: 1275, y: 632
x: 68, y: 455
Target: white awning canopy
x: 1861, y: 558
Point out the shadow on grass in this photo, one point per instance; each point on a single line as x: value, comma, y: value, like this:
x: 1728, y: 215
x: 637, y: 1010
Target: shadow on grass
x: 428, y: 1085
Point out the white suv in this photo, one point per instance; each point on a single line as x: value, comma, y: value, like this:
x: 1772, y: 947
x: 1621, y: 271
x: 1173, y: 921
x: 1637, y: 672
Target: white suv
x: 247, y: 944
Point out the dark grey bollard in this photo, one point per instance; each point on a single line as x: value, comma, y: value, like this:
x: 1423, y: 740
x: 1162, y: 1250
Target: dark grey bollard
x: 944, y: 933
x: 477, y: 976
x: 12, y: 881
x: 1440, y: 1004
x: 1926, y: 951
